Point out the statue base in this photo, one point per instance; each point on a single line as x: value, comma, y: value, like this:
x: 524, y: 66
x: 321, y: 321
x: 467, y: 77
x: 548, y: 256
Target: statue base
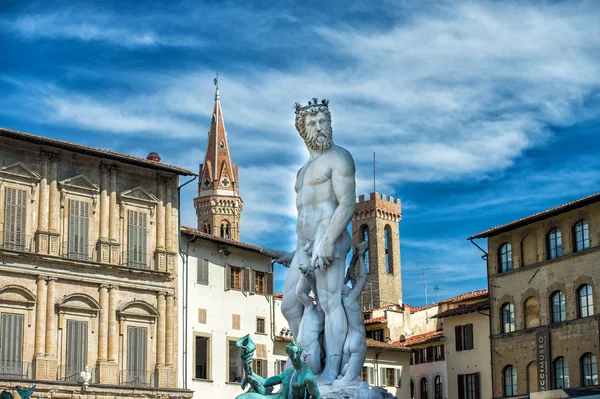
x: 353, y: 390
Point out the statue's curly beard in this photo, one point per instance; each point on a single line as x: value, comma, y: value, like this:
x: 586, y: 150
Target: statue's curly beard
x: 319, y: 140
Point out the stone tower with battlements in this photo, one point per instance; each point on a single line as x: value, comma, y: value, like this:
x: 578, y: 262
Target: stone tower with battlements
x: 218, y: 205
x: 378, y: 219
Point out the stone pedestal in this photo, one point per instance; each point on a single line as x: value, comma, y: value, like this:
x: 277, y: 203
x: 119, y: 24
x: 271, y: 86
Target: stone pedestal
x: 47, y: 243
x: 108, y: 372
x: 165, y: 377
x: 45, y: 367
x: 165, y: 261
x: 104, y: 251
x: 354, y: 390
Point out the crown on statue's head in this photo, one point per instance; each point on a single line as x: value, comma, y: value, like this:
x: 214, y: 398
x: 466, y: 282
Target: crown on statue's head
x: 313, y: 103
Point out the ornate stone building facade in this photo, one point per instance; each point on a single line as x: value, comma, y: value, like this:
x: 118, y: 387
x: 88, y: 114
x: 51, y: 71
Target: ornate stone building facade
x: 218, y: 205
x: 378, y: 219
x: 542, y: 273
x: 88, y: 269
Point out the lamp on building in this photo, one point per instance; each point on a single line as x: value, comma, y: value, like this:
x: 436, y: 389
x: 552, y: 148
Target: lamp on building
x: 224, y: 249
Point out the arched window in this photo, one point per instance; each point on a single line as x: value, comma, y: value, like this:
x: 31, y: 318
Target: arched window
x: 508, y: 318
x: 424, y: 388
x: 505, y: 257
x: 387, y: 242
x: 225, y: 230
x: 554, y: 243
x: 585, y: 300
x: 561, y: 373
x: 581, y: 235
x: 439, y: 389
x: 365, y: 237
x: 206, y: 228
x: 412, y: 389
x: 509, y: 380
x: 589, y: 372
x: 559, y: 311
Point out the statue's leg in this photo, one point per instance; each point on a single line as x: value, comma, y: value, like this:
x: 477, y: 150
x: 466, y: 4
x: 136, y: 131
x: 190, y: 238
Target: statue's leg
x: 329, y: 287
x: 291, y: 307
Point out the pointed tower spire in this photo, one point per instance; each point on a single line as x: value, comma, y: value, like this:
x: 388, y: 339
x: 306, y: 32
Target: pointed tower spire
x: 218, y: 205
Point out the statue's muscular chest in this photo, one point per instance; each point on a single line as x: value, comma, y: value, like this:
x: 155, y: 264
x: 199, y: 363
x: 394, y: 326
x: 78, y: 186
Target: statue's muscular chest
x: 313, y: 173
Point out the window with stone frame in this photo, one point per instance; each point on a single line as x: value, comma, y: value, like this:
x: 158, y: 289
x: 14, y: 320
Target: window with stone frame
x: 589, y: 370
x: 260, y: 325
x: 508, y: 318
x: 79, y: 226
x: 509, y: 381
x: 259, y: 282
x: 585, y: 301
x: 468, y: 386
x: 11, y: 345
x: 505, y: 258
x: 15, y: 217
x: 234, y: 368
x: 559, y: 311
x: 390, y: 377
x: 235, y: 278
x: 365, y: 236
x: 387, y: 243
x: 581, y: 235
x: 76, y: 349
x: 439, y: 388
x: 561, y: 373
x: 424, y: 388
x: 464, y: 337
x: 137, y: 239
x: 554, y: 243
x: 201, y: 357
x: 439, y: 352
x: 137, y: 373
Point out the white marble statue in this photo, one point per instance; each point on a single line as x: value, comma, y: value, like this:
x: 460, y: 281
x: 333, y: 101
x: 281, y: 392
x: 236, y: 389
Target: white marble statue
x: 86, y: 377
x: 325, y: 199
x: 313, y: 320
x: 355, y: 345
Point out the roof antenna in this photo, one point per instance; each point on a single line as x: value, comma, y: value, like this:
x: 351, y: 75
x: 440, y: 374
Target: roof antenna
x: 375, y: 191
x: 216, y: 80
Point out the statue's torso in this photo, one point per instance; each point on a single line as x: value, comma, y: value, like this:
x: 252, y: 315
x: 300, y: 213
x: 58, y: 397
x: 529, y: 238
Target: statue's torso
x: 315, y: 199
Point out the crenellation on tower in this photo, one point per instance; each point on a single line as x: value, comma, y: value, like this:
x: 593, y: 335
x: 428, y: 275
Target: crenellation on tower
x: 378, y: 219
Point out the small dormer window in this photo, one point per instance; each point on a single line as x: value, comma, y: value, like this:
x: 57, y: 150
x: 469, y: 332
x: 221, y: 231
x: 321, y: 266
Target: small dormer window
x: 222, y: 144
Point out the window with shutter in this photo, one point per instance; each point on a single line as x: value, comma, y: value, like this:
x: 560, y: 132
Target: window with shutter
x: 371, y: 375
x: 269, y: 284
x: 382, y: 377
x: 136, y: 356
x: 461, y: 386
x: 11, y: 345
x: 15, y: 216
x: 79, y: 222
x: 398, y: 378
x: 202, y: 358
x: 246, y: 280
x: 76, y: 353
x: 202, y: 272
x: 458, y: 337
x: 227, y: 277
x: 468, y: 337
x: 137, y: 254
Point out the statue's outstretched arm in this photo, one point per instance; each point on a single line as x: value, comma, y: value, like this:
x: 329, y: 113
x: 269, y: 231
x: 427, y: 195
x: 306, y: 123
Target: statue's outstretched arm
x: 282, y: 257
x: 274, y: 380
x: 313, y: 388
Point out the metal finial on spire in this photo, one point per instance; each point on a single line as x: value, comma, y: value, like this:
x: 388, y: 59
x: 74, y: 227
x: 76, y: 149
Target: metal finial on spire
x: 216, y: 80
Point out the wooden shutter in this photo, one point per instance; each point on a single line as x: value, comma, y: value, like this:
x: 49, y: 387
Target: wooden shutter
x: 382, y: 376
x: 371, y: 377
x: 246, y: 280
x: 136, y: 355
x: 11, y: 345
x: 202, y: 316
x: 76, y: 352
x: 430, y: 354
x: 15, y: 216
x: 202, y: 271
x: 458, y: 337
x: 227, y: 277
x: 461, y: 386
x: 477, y: 388
x: 469, y: 336
x: 79, y: 219
x: 137, y: 223
x: 269, y: 283
x: 251, y: 281
x: 399, y: 377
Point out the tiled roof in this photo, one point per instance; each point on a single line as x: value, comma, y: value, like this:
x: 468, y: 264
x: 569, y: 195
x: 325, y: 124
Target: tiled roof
x: 468, y: 296
x: 374, y: 320
x: 239, y: 244
x: 278, y: 295
x: 413, y: 310
x: 538, y: 216
x: 98, y: 152
x: 470, y: 308
x: 422, y: 338
x: 384, y: 345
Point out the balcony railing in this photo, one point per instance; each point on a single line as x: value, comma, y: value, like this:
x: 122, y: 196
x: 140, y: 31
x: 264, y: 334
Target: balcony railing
x: 138, y: 260
x: 138, y: 378
x: 86, y: 253
x: 72, y: 374
x: 11, y: 370
x: 23, y: 243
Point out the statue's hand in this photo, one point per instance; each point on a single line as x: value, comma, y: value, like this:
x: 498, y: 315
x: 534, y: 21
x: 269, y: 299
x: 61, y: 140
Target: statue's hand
x: 282, y: 257
x: 323, y: 255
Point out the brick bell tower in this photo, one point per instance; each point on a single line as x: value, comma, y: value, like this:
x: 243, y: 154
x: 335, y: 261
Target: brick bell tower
x: 218, y: 205
x: 378, y: 219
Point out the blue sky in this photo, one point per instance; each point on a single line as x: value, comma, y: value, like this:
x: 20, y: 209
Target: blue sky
x: 479, y: 112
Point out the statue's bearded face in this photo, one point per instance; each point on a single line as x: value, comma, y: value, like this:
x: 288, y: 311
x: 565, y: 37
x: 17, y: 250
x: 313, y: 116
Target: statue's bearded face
x: 314, y: 126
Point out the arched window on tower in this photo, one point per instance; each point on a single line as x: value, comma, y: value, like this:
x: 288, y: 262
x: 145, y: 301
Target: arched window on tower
x: 225, y: 230
x: 365, y: 237
x: 387, y: 240
x: 206, y: 228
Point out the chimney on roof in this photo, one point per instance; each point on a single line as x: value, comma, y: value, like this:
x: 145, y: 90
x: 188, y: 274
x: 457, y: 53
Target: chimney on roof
x: 153, y: 156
